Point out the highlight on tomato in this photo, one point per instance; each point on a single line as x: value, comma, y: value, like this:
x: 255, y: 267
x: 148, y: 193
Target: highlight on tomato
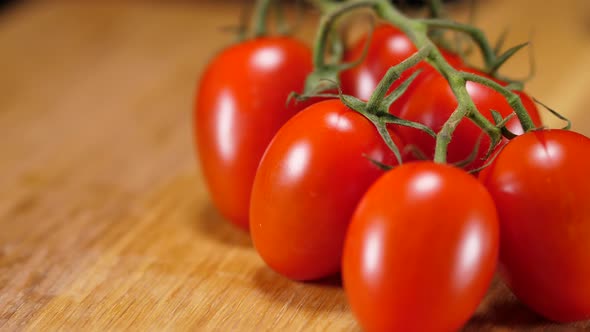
x: 309, y: 181
x: 240, y: 105
x: 421, y: 249
x: 541, y: 187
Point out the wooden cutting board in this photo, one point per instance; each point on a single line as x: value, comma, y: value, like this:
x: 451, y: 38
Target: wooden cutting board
x: 104, y: 220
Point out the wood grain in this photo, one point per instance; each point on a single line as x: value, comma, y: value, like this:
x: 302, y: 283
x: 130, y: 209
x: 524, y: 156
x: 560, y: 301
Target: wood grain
x: 104, y: 220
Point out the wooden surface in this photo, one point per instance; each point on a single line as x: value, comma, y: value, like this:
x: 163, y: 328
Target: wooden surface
x: 104, y: 220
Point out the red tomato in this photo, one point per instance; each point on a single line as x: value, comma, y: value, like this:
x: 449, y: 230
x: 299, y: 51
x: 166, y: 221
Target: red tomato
x: 389, y: 46
x: 434, y: 102
x: 240, y: 106
x: 421, y: 249
x: 311, y: 177
x: 541, y: 187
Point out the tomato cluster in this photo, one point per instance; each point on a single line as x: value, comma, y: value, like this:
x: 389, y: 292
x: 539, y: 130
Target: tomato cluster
x: 417, y: 245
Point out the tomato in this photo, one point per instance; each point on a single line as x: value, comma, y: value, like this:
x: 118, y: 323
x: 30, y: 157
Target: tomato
x: 389, y: 46
x: 421, y: 249
x: 241, y: 103
x: 542, y: 190
x: 433, y: 103
x: 311, y: 177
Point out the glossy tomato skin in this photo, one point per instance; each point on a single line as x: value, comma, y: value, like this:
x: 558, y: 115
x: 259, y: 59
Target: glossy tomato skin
x: 541, y: 187
x: 311, y: 177
x: 434, y: 102
x: 421, y: 249
x: 389, y: 46
x: 241, y: 103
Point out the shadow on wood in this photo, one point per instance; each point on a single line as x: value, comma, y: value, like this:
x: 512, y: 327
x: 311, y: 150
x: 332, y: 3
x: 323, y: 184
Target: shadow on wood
x: 210, y: 222
x: 323, y: 295
x: 502, y: 309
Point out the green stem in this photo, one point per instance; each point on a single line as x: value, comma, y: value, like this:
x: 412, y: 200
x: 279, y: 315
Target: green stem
x: 326, y: 23
x: 465, y: 108
x: 436, y: 8
x: 392, y: 75
x: 283, y: 27
x: 476, y: 34
x: 260, y: 17
x: 437, y: 11
x: 512, y: 98
x: 443, y: 138
x: 324, y: 5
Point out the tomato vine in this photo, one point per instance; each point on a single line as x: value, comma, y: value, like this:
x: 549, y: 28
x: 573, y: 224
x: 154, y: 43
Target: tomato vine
x: 417, y: 30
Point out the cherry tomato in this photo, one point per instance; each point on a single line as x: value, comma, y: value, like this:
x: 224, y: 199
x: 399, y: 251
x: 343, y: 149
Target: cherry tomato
x: 433, y: 103
x: 421, y: 249
x: 241, y: 103
x: 542, y: 190
x: 389, y: 46
x: 311, y: 177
